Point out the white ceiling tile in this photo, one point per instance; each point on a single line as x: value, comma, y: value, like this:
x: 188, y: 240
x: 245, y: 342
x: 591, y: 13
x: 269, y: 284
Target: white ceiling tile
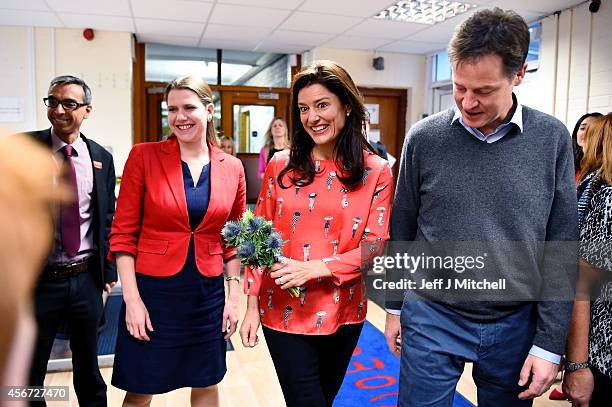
x: 435, y: 33
x: 167, y: 27
x: 168, y: 39
x: 280, y: 4
x: 106, y: 7
x: 173, y: 9
x: 316, y: 22
x: 236, y: 32
x: 247, y: 16
x: 282, y: 48
x: 352, y: 42
x: 240, y: 45
x: 479, y: 2
x: 299, y: 37
x: 39, y: 5
x: 548, y: 6
x: 29, y: 18
x: 362, y: 8
x: 443, y: 32
x: 531, y: 16
x: 413, y: 47
x: 110, y: 23
x: 384, y: 29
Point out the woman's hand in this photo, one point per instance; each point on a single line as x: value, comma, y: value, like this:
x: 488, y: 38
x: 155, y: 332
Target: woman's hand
x: 294, y: 273
x: 230, y: 317
x: 578, y: 386
x: 249, y: 327
x: 137, y: 319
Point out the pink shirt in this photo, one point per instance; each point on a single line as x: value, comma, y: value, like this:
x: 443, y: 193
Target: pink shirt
x: 84, y: 172
x: 322, y: 221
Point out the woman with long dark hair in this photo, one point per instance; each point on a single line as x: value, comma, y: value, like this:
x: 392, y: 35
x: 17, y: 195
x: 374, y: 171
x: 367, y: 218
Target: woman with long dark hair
x: 328, y: 197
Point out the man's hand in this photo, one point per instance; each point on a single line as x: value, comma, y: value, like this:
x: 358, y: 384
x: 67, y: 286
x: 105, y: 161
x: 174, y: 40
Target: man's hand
x: 109, y: 286
x: 578, y: 386
x: 539, y: 373
x: 393, y: 332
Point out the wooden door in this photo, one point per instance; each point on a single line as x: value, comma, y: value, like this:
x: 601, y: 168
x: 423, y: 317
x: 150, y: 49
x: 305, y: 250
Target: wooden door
x: 391, y: 123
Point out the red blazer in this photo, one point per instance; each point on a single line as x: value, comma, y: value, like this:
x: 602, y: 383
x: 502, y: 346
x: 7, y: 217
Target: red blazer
x: 151, y: 221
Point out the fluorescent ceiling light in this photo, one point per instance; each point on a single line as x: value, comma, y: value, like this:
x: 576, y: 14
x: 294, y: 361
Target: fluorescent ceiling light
x: 424, y: 11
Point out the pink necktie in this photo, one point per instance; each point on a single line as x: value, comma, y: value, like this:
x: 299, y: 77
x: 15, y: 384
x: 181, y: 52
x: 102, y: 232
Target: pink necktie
x: 71, y: 222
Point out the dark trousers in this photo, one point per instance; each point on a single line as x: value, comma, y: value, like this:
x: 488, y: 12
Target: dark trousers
x: 602, y: 393
x: 311, y: 368
x: 77, y: 300
x: 436, y: 343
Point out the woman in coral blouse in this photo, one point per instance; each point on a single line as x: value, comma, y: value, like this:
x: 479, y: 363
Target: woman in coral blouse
x: 175, y: 197
x: 327, y: 197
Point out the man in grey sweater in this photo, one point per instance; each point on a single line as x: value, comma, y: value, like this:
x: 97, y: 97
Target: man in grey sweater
x: 495, y: 171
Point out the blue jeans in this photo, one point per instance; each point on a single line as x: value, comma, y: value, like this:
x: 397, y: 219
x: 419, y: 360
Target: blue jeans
x: 436, y: 343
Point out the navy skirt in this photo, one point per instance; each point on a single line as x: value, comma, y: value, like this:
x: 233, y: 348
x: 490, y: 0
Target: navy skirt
x: 187, y: 348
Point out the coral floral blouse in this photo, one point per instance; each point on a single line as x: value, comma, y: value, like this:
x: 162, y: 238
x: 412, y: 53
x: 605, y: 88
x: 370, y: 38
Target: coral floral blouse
x: 322, y: 221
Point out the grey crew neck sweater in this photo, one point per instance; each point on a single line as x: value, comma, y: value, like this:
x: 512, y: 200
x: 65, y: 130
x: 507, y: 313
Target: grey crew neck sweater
x: 454, y: 187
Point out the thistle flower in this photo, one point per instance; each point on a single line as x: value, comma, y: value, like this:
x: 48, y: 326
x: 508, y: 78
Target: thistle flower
x: 274, y: 241
x: 258, y: 244
x: 254, y: 224
x: 230, y: 232
x: 246, y: 250
x: 266, y: 228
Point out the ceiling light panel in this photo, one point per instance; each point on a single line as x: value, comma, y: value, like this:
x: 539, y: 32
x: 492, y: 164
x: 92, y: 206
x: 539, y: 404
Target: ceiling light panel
x: 424, y: 11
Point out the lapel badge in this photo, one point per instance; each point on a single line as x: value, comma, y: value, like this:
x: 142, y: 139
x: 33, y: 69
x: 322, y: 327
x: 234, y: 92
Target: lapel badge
x: 97, y: 164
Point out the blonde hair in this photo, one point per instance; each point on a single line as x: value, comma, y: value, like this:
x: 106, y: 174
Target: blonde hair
x: 269, y: 141
x: 200, y: 88
x: 598, y: 150
x: 224, y: 138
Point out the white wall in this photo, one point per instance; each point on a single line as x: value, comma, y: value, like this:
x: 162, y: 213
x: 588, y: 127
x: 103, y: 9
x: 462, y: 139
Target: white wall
x: 31, y: 57
x: 405, y: 71
x: 575, y: 73
x: 17, y: 90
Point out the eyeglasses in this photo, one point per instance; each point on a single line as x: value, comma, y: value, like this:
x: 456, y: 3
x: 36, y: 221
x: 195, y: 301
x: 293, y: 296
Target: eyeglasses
x: 67, y: 104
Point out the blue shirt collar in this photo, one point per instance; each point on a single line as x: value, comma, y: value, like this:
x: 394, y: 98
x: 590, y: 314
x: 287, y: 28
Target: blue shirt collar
x: 501, y: 130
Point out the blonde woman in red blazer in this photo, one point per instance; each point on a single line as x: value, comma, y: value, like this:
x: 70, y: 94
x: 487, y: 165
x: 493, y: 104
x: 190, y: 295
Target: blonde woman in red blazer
x: 175, y: 197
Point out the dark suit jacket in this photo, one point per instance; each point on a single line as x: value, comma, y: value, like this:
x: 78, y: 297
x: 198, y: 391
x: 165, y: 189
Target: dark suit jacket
x: 103, y: 201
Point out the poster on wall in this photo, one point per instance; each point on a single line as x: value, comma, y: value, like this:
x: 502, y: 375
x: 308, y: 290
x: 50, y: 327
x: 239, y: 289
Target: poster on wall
x: 373, y: 110
x: 11, y: 109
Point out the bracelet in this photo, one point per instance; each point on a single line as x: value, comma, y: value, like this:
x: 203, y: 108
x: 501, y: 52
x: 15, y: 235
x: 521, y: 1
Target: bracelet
x: 573, y: 366
x: 235, y: 278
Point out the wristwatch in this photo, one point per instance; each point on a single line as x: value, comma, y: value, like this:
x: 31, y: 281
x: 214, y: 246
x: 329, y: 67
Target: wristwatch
x: 572, y: 366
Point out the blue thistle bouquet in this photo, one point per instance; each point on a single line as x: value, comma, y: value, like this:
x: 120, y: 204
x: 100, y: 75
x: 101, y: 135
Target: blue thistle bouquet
x: 258, y: 244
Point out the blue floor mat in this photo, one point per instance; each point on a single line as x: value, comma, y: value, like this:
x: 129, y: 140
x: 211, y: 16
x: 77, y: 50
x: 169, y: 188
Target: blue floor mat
x: 372, y: 376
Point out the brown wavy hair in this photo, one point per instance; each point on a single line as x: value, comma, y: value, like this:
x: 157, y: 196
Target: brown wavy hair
x: 351, y: 141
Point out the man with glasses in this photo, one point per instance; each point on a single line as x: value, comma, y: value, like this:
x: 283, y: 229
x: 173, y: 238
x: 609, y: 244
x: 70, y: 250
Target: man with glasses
x: 76, y: 272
